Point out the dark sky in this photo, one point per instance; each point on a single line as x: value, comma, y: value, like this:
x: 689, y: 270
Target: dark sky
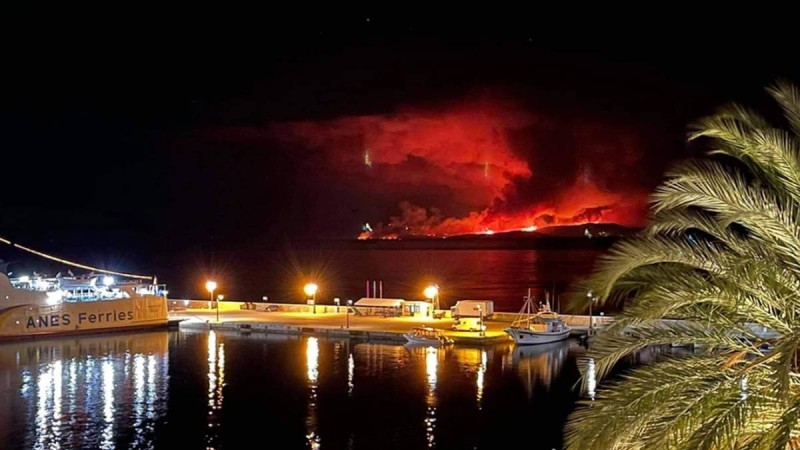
x: 160, y: 139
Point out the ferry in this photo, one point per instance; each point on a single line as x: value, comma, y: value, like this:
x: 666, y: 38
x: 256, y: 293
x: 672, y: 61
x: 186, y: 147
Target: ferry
x: 40, y: 306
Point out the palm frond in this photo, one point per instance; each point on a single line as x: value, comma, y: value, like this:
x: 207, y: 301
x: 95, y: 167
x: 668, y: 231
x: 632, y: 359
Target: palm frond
x: 718, y: 267
x: 788, y: 96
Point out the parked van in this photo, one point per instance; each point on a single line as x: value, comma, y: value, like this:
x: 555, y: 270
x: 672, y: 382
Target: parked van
x: 473, y: 308
x: 468, y: 324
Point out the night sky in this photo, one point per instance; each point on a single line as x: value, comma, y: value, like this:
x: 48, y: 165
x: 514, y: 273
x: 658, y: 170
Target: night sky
x: 135, y: 146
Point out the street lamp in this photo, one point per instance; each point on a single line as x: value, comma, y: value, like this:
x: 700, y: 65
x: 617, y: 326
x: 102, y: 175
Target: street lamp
x: 311, y: 290
x: 211, y: 286
x: 336, y: 302
x: 220, y: 297
x: 480, y: 320
x: 432, y: 292
x: 349, y: 304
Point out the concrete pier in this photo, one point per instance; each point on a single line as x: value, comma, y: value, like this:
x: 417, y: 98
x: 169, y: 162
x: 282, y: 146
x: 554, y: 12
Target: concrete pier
x: 327, y: 322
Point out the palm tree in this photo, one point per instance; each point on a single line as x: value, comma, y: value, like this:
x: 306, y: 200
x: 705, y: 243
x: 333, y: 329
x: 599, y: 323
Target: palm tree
x: 722, y: 253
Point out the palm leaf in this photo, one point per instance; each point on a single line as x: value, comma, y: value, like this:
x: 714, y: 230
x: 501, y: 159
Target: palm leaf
x: 717, y: 266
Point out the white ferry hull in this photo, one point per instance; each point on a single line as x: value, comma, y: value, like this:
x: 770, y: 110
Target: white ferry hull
x: 522, y: 336
x: 30, y: 320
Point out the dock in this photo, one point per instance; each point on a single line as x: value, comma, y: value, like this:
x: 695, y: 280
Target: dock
x: 329, y: 321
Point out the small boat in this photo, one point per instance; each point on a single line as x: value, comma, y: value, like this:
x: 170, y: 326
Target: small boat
x: 541, y: 326
x: 427, y: 336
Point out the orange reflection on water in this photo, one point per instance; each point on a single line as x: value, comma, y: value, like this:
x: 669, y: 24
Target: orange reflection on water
x: 431, y: 366
x: 312, y: 372
x: 216, y: 384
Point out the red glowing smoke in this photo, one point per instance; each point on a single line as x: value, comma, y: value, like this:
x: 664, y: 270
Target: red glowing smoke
x: 482, y: 166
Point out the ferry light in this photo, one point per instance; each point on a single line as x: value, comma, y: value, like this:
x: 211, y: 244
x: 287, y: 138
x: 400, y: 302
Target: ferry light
x: 108, y: 280
x: 24, y: 279
x: 54, y: 297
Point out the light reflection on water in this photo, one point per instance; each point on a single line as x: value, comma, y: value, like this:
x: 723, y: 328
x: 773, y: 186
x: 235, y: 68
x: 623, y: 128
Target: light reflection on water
x: 479, y: 379
x: 312, y: 372
x: 431, y: 364
x: 112, y: 392
x: 216, y: 384
x: 79, y: 392
x: 539, y: 365
x: 591, y: 379
x: 108, y: 405
x: 351, y: 367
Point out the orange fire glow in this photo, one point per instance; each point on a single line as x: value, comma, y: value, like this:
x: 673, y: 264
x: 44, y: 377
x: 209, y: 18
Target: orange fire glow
x: 480, y: 166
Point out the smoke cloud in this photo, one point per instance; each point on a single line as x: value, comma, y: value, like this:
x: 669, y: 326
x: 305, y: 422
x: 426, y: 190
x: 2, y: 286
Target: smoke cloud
x: 483, y: 165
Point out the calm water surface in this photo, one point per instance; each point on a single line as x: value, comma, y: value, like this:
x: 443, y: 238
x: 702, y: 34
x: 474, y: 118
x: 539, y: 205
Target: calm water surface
x: 194, y: 390
x: 500, y: 275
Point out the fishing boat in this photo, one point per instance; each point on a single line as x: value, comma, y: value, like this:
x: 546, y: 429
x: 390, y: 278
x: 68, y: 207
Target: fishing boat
x: 427, y: 336
x: 102, y: 300
x: 537, y: 325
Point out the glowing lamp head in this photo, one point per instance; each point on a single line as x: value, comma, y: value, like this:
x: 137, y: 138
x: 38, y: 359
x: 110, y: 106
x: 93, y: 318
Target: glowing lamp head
x: 108, y: 280
x: 220, y: 297
x: 211, y: 286
x: 431, y: 291
x: 310, y: 289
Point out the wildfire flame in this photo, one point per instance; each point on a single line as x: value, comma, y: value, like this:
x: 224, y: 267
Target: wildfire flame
x: 583, y: 203
x: 483, y: 165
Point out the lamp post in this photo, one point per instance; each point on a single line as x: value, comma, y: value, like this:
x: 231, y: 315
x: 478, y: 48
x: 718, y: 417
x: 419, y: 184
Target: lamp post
x: 590, y: 296
x: 347, y: 315
x: 311, y: 290
x: 336, y: 302
x: 432, y: 292
x: 211, y: 286
x: 220, y: 297
x: 480, y: 320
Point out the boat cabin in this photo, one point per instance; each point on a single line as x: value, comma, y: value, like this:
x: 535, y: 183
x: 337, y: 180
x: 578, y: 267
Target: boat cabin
x: 426, y: 333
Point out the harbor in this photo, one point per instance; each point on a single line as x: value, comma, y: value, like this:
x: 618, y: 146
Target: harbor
x: 327, y: 322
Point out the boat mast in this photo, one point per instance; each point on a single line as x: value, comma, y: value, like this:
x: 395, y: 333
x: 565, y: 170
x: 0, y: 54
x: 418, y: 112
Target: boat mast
x: 528, y: 302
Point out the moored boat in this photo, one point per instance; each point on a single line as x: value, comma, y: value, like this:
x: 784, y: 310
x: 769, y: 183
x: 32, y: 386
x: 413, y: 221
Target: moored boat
x: 537, y: 326
x: 427, y: 336
x: 32, y: 306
